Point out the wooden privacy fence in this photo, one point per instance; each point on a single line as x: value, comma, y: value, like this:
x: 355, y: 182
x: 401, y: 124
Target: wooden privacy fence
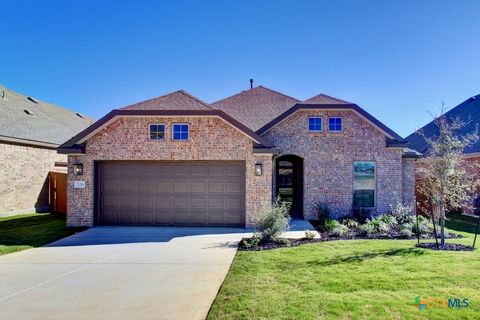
x: 58, y: 191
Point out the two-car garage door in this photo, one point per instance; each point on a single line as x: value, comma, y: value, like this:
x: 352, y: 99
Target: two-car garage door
x: 204, y: 193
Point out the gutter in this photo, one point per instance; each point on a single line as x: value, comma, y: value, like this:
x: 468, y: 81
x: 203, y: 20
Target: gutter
x: 26, y: 142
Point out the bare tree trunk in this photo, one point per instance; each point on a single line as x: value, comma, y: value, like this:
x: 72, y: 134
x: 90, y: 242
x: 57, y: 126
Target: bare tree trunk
x: 416, y: 215
x: 434, y: 227
x: 476, y: 230
x: 442, y: 225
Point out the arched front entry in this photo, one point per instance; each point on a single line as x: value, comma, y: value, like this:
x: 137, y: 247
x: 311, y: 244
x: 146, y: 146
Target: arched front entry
x: 289, y: 182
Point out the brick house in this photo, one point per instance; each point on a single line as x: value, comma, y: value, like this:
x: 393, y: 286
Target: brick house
x: 176, y: 160
x: 30, y: 132
x: 469, y: 113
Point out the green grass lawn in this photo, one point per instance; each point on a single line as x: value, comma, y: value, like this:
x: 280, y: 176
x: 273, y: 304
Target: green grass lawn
x: 32, y: 230
x: 355, y: 279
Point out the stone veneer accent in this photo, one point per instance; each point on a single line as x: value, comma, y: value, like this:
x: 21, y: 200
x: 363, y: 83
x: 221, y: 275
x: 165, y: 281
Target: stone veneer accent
x: 328, y: 160
x: 24, y: 177
x: 127, y: 139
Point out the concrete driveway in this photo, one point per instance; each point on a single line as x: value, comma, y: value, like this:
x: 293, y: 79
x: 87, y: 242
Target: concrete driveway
x: 119, y: 273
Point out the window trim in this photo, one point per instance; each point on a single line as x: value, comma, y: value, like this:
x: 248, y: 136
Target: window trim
x: 374, y: 184
x: 341, y: 125
x: 164, y: 131
x: 315, y: 117
x: 188, y: 131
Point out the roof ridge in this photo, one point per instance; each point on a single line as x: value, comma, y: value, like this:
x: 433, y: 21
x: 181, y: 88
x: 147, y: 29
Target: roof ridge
x: 329, y: 97
x: 335, y: 98
x: 194, y: 98
x: 260, y: 86
x: 278, y: 92
x: 167, y: 95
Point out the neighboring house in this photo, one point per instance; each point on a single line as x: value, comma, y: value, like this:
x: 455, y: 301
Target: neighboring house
x: 469, y: 113
x: 177, y: 160
x: 30, y: 132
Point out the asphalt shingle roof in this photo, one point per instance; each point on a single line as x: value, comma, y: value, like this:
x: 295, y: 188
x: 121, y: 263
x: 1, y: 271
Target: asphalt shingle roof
x: 28, y: 118
x: 255, y: 107
x: 178, y: 100
x: 467, y: 111
x: 324, y: 99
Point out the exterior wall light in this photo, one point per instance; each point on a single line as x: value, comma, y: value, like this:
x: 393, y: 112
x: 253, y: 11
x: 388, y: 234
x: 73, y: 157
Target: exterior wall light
x: 78, y: 169
x: 258, y: 169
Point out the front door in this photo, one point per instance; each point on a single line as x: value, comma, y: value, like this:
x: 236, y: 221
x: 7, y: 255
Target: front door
x: 290, y: 183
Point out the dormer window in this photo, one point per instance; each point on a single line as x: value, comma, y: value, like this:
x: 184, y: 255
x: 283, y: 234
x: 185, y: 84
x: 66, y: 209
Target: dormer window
x: 315, y: 124
x: 335, y: 124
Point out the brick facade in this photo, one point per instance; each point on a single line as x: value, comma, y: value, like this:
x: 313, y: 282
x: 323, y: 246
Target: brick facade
x: 328, y: 160
x: 24, y: 177
x: 127, y: 139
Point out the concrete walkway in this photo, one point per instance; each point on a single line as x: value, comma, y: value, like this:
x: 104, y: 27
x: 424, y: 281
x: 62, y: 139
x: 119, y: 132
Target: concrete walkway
x: 119, y: 273
x: 122, y: 273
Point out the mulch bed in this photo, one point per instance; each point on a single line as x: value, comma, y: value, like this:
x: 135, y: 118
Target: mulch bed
x: 352, y: 236
x: 275, y: 245
x: 357, y: 234
x: 446, y: 247
x: 387, y: 236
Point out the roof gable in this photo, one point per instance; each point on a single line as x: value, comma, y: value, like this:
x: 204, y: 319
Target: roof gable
x: 34, y: 121
x: 467, y: 111
x: 394, y: 140
x: 177, y: 100
x: 324, y: 99
x: 77, y: 143
x: 255, y: 107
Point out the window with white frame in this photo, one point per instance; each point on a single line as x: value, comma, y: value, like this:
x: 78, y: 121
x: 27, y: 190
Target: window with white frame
x: 363, y: 184
x: 315, y: 124
x: 180, y: 131
x: 156, y: 131
x: 335, y: 124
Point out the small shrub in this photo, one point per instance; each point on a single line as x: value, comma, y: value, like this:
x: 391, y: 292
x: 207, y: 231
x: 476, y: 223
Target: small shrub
x: 271, y: 221
x: 403, y: 213
x: 322, y: 211
x: 251, y: 242
x: 339, y: 231
x: 380, y: 226
x: 310, y: 235
x: 335, y: 228
x: 367, y: 228
x: 283, y: 241
x: 330, y: 224
x: 389, y: 220
x: 375, y: 226
x: 423, y: 225
x: 350, y: 223
x: 406, y: 232
x: 361, y: 214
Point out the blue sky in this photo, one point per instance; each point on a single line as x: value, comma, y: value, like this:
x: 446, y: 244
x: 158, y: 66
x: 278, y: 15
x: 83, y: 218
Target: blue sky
x: 397, y: 59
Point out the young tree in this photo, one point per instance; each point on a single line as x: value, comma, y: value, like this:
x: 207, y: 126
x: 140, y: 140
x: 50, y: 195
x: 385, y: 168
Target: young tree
x: 446, y: 183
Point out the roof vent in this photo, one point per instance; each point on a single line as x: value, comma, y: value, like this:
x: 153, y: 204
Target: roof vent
x: 30, y: 113
x: 471, y: 100
x: 80, y: 115
x: 32, y: 99
x: 251, y: 83
x: 4, y: 95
